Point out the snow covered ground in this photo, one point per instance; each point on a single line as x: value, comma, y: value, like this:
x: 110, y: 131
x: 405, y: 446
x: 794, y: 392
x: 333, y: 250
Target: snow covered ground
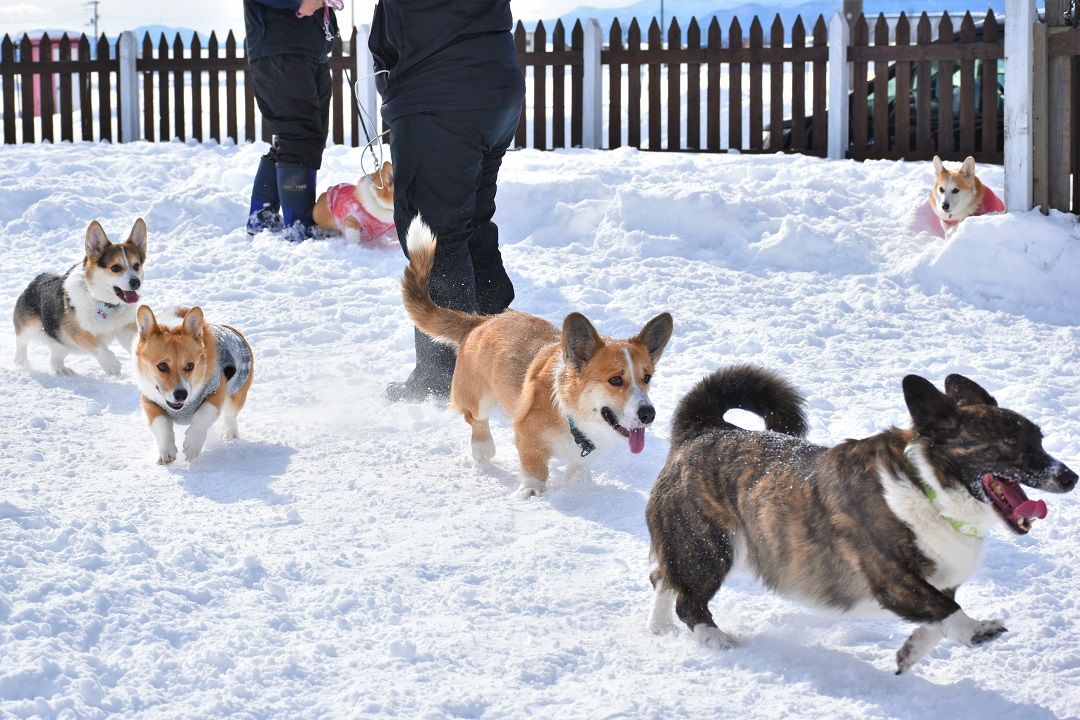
x: 346, y: 559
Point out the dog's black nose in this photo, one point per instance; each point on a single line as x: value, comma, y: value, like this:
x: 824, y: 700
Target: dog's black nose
x: 135, y: 283
x: 944, y: 206
x: 646, y: 414
x: 180, y: 395
x: 1067, y: 479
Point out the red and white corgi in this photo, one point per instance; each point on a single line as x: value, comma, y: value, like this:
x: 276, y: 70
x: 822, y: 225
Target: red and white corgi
x: 959, y: 194
x: 87, y: 307
x: 363, y: 212
x: 568, y: 391
x: 189, y: 373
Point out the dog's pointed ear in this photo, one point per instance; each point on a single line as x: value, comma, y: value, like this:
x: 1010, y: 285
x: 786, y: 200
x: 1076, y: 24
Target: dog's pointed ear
x: 580, y: 340
x: 193, y: 322
x: 938, y: 166
x: 386, y: 173
x: 968, y: 168
x: 146, y: 322
x: 138, y: 236
x: 967, y: 392
x: 655, y: 335
x: 96, y: 240
x: 933, y: 412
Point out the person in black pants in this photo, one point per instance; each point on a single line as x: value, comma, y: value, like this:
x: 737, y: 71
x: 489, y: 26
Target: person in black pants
x: 452, y: 92
x: 286, y: 45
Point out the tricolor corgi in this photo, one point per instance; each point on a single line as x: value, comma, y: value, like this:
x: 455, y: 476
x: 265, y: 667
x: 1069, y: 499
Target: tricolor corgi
x: 87, y: 307
x: 363, y: 212
x: 568, y: 392
x: 959, y: 194
x: 893, y: 522
x: 190, y: 372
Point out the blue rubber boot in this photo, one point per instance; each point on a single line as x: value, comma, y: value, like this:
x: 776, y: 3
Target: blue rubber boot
x: 263, y: 213
x: 296, y: 190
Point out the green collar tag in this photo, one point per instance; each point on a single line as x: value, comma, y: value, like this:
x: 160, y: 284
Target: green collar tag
x: 964, y: 528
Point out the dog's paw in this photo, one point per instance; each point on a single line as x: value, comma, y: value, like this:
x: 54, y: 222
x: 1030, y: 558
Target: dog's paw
x: 530, y: 487
x: 713, y: 637
x: 229, y: 434
x: 988, y: 630
x: 166, y: 455
x: 482, y: 452
x: 960, y: 628
x: 111, y: 365
x: 63, y: 371
x: 661, y: 625
x: 918, y: 645
x: 662, y: 615
x: 193, y: 444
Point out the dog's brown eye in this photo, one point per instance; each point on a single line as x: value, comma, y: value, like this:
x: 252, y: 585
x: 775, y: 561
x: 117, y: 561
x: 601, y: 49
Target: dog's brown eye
x: 616, y: 381
x: 941, y: 190
x: 1011, y: 440
x: 646, y: 379
x: 163, y: 367
x: 955, y: 190
x: 115, y: 268
x: 189, y: 367
x: 135, y: 267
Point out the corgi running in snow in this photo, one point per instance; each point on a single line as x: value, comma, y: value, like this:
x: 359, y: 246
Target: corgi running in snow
x: 892, y: 522
x: 87, y: 307
x: 568, y: 392
x: 189, y: 373
x: 363, y: 212
x: 959, y: 194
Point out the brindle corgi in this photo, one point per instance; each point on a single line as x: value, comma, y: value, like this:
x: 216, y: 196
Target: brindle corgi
x: 568, y: 392
x: 895, y: 521
x: 87, y: 307
x: 189, y: 373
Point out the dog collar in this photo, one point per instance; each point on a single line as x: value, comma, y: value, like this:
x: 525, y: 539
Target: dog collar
x: 583, y: 442
x: 103, y: 310
x: 964, y: 528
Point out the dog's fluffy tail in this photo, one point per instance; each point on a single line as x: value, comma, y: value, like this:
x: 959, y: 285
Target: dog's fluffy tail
x: 441, y: 323
x: 746, y: 387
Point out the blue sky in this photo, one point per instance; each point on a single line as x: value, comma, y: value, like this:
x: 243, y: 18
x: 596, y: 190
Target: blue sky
x: 204, y: 15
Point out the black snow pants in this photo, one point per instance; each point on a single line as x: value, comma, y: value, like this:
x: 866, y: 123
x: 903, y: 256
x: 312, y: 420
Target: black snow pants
x: 293, y: 93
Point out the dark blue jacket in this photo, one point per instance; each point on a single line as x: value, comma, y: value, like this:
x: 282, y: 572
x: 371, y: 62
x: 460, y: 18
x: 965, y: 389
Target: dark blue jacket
x: 445, y: 54
x: 273, y: 29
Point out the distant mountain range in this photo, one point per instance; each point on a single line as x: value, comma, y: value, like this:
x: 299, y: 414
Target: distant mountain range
x: 706, y: 10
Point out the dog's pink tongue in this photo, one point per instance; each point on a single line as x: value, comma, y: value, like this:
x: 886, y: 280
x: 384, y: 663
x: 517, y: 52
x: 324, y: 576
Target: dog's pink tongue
x: 130, y: 296
x: 1030, y: 509
x: 637, y: 440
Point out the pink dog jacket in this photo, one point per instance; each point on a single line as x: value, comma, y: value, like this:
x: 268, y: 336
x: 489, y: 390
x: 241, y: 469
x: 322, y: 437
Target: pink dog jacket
x: 342, y: 202
x: 991, y: 203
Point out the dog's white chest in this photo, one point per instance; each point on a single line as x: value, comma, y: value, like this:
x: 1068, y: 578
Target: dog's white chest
x: 104, y: 320
x: 956, y: 556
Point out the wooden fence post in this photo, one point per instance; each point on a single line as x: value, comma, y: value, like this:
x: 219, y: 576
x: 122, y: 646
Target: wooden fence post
x: 128, y: 53
x: 366, y: 91
x: 839, y: 87
x: 1019, y: 54
x: 592, y: 88
x: 1059, y: 93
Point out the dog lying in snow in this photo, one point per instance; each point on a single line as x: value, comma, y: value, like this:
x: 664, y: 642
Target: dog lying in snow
x: 959, y: 194
x: 363, y: 212
x: 894, y: 521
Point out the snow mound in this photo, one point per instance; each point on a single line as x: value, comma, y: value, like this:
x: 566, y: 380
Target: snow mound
x: 1022, y: 263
